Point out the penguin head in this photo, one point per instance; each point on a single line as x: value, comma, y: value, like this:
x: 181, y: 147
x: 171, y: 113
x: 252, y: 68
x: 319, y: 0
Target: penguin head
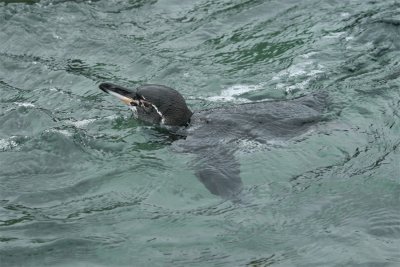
x: 153, y: 103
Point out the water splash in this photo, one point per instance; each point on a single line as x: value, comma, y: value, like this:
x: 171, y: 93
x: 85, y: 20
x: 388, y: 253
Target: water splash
x: 7, y: 144
x: 233, y: 93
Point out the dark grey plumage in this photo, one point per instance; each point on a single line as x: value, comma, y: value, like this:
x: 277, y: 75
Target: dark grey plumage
x: 212, y: 134
x: 168, y: 101
x: 159, y: 103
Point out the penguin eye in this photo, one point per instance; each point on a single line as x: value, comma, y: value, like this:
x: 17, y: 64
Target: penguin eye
x: 145, y: 104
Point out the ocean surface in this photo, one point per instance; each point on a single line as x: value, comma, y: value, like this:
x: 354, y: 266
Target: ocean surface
x: 82, y: 183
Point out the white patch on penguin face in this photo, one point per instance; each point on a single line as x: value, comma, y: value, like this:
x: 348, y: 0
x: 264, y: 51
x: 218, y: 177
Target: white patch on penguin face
x: 159, y: 113
x: 156, y: 109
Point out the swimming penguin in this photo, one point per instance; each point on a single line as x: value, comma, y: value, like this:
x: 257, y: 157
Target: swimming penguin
x: 212, y: 135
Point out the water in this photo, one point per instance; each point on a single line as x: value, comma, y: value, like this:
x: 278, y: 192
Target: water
x: 83, y: 184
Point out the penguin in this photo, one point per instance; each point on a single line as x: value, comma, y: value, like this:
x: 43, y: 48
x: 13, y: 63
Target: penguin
x: 212, y: 135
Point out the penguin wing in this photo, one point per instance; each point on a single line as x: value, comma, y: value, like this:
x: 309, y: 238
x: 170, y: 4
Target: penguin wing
x: 219, y: 171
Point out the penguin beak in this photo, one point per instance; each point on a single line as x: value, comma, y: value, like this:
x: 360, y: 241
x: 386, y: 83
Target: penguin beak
x: 122, y: 93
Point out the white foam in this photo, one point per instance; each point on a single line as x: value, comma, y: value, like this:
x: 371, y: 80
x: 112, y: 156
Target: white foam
x: 247, y: 146
x: 315, y: 72
x: 24, y: 104
x: 57, y: 36
x: 308, y: 55
x: 334, y: 35
x: 111, y: 117
x: 8, y: 143
x: 82, y: 123
x: 297, y: 86
x: 297, y: 70
x: 232, y: 93
x: 305, y: 71
x: 303, y: 68
x: 63, y: 132
x: 254, y: 145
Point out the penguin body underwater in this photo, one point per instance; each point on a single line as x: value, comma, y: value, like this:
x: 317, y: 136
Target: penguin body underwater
x: 211, y: 134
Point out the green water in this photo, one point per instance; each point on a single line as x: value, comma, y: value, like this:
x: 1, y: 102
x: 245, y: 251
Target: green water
x: 84, y: 184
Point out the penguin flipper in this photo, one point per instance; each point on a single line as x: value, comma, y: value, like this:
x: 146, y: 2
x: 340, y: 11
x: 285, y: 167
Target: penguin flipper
x: 219, y: 171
